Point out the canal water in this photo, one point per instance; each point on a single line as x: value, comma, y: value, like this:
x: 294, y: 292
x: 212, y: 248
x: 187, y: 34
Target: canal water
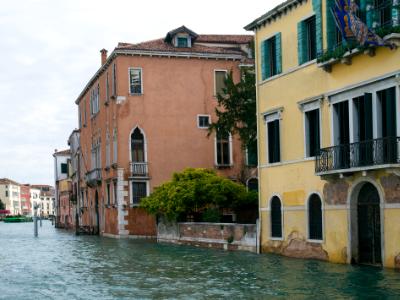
x: 60, y: 265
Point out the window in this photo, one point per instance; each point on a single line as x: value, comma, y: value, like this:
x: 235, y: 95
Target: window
x: 114, y: 81
x: 135, y: 75
x: 139, y: 191
x: 276, y: 217
x: 251, y: 151
x: 64, y: 168
x: 223, y: 149
x: 6, y: 193
x: 94, y: 100
x: 108, y: 194
x: 108, y: 150
x: 219, y: 84
x: 107, y: 88
x: 315, y: 218
x: 271, y: 57
x: 273, y: 137
x: 137, y: 146
x: 307, y: 40
x: 115, y: 146
x: 182, y: 42
x: 203, y: 121
x: 383, y: 12
x: 312, y: 132
x: 96, y: 155
x: 252, y: 184
x: 115, y: 200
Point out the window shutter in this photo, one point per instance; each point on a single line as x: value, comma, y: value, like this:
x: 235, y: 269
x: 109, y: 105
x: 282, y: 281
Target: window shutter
x: 395, y: 14
x: 278, y: 53
x: 276, y: 218
x: 301, y: 42
x: 317, y: 6
x: 330, y: 25
x: 265, y: 73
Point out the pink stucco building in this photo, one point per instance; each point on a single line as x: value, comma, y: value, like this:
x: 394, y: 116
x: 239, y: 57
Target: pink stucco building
x: 144, y: 115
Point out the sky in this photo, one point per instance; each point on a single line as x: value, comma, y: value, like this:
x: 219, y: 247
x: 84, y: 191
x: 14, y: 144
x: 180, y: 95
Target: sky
x: 50, y: 49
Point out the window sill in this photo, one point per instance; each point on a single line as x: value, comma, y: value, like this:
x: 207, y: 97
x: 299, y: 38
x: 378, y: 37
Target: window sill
x: 276, y: 239
x: 204, y: 128
x: 136, y: 94
x: 315, y: 241
x: 223, y: 166
x: 134, y: 205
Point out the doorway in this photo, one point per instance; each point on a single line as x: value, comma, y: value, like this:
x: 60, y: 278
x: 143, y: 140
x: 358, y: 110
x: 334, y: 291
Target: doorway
x: 367, y: 234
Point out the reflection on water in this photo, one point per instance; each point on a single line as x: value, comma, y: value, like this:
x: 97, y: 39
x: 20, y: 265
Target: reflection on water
x: 59, y: 265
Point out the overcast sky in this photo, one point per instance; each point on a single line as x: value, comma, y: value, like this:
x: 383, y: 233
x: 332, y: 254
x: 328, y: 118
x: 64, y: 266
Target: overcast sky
x: 49, y: 50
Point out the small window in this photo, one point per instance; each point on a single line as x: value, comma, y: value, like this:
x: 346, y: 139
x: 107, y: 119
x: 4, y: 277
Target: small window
x: 114, y: 81
x: 307, y: 40
x: 220, y: 77
x: 276, y: 217
x: 107, y: 88
x: 312, y: 132
x: 271, y: 57
x: 182, y: 42
x: 64, y: 168
x: 108, y: 194
x: 115, y: 200
x: 252, y: 184
x: 273, y: 142
x: 203, y: 121
x: 223, y: 145
x: 139, y: 191
x: 314, y: 218
x: 135, y: 75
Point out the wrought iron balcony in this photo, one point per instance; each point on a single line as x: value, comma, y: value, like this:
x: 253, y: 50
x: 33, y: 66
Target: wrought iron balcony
x: 93, y: 177
x: 360, y: 155
x: 139, y: 169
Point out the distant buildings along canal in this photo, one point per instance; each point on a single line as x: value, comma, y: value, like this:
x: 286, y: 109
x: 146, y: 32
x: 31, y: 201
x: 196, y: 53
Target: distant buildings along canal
x: 329, y: 126
x: 143, y: 116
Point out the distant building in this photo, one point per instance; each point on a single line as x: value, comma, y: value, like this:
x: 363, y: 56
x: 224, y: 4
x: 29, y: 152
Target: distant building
x: 26, y: 206
x: 10, y: 195
x: 35, y: 199
x: 46, y: 200
x: 63, y: 188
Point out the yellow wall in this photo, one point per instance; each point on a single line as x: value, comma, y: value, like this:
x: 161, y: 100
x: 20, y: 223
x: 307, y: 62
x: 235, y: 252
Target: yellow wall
x: 294, y: 179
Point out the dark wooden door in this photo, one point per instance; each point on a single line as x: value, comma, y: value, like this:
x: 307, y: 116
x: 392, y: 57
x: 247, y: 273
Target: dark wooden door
x: 369, y: 226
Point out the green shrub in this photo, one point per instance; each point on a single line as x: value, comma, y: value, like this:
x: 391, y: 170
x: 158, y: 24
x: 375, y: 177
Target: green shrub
x: 211, y: 215
x: 194, y: 190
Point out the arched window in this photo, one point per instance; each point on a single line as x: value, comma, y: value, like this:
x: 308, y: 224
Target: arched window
x: 137, y: 146
x: 315, y: 218
x: 276, y: 217
x: 252, y: 184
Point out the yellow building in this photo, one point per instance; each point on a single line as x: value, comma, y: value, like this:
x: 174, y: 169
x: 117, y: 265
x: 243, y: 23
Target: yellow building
x: 329, y: 121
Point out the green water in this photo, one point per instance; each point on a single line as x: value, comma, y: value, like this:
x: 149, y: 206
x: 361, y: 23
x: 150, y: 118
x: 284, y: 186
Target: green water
x: 59, y: 265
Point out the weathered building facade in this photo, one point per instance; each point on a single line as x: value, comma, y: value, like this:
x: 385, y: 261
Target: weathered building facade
x: 329, y: 127
x: 144, y: 115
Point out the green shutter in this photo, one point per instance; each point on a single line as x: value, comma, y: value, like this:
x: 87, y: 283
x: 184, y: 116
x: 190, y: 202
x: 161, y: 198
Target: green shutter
x: 370, y: 15
x: 330, y: 25
x: 278, y: 53
x: 395, y: 14
x: 263, y: 61
x: 301, y: 42
x: 317, y: 6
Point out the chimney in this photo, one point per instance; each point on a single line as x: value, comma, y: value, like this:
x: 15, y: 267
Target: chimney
x: 103, y: 56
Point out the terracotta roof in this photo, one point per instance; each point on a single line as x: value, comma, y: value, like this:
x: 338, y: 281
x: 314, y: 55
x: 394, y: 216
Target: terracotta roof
x: 62, y: 152
x: 160, y: 46
x: 225, y: 38
x: 8, y: 181
x: 183, y: 28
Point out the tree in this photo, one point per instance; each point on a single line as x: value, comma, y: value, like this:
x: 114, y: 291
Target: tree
x: 2, y: 206
x: 195, y: 190
x: 236, y: 109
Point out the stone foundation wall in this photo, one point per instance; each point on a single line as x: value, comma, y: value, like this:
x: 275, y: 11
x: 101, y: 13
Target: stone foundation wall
x: 242, y: 237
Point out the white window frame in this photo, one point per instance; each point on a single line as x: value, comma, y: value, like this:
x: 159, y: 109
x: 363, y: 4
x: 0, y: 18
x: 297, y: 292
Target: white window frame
x: 270, y: 116
x: 270, y: 218
x: 308, y: 216
x: 215, y: 79
x: 141, y: 81
x: 306, y: 106
x: 147, y: 182
x: 198, y: 121
x: 230, y: 152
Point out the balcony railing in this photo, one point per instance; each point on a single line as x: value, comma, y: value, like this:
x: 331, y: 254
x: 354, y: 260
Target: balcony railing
x: 369, y: 153
x: 93, y: 177
x: 139, y: 169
